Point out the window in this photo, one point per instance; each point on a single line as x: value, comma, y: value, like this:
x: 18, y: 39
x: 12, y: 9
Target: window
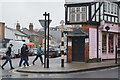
x: 112, y: 5
x: 115, y: 11
x: 72, y: 10
x: 78, y: 18
x: 16, y: 37
x: 73, y: 18
x: 108, y: 7
x: 77, y: 9
x: 83, y: 17
x: 83, y: 9
x: 105, y: 7
x: 104, y: 47
x: 111, y: 43
x: 78, y: 14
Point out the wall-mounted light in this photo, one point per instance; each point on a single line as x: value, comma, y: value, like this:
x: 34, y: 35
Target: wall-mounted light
x: 107, y: 28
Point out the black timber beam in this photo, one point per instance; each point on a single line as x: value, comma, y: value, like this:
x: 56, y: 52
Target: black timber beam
x: 88, y: 22
x: 96, y: 11
x: 80, y: 4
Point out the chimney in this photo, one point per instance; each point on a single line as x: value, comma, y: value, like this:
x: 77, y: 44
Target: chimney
x: 31, y: 26
x: 18, y: 26
x: 2, y: 30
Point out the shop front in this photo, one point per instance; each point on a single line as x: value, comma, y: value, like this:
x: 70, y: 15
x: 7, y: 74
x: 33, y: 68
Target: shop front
x: 108, y: 40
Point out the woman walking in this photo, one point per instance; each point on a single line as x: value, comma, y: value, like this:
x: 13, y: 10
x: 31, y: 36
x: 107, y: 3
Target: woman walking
x: 27, y: 56
x: 24, y: 55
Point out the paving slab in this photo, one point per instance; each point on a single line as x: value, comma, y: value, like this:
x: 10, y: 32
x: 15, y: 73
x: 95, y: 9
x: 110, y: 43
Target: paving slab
x: 55, y: 67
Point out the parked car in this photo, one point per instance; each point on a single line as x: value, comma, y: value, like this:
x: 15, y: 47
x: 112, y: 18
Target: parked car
x: 53, y: 52
x: 31, y: 52
x: 35, y: 51
x: 59, y: 51
x: 2, y: 53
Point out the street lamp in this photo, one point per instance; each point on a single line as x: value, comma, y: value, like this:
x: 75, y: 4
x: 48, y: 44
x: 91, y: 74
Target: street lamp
x: 62, y: 43
x: 45, y: 24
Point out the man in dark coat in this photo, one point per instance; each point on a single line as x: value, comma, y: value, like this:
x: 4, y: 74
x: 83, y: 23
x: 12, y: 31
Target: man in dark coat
x: 24, y: 55
x: 8, y: 57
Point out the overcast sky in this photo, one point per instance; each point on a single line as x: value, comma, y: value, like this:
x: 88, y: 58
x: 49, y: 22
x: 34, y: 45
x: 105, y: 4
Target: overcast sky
x: 27, y: 11
x: 30, y: 11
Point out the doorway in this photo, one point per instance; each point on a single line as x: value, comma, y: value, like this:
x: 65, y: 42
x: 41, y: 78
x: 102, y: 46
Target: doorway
x: 78, y: 49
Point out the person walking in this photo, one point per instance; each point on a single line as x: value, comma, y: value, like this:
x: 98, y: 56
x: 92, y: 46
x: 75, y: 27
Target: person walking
x: 39, y: 54
x: 27, y: 56
x: 8, y: 57
x: 24, y: 55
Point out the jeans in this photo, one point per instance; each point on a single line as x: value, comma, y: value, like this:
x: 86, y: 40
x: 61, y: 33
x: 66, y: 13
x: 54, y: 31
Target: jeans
x: 8, y: 59
x: 41, y: 59
x: 23, y: 59
x: 25, y: 62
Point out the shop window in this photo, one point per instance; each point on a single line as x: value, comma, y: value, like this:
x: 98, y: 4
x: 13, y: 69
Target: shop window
x: 104, y: 47
x: 111, y: 43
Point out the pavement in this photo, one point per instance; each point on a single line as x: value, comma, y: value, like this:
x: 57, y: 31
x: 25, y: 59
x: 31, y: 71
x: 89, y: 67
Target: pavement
x: 55, y: 66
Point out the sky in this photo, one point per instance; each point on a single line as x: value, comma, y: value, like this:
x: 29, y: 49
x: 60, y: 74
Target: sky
x: 29, y: 11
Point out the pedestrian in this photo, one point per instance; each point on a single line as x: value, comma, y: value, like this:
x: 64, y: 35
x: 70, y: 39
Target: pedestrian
x: 27, y: 56
x: 24, y: 55
x: 39, y: 54
x: 8, y: 57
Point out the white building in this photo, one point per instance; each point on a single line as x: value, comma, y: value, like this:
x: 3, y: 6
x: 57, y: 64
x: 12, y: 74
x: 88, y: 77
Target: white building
x: 15, y: 35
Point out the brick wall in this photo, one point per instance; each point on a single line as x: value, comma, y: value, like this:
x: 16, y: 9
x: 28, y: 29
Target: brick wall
x: 2, y: 30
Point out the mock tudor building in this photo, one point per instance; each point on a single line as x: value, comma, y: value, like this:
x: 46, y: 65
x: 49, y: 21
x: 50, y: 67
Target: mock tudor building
x: 101, y: 21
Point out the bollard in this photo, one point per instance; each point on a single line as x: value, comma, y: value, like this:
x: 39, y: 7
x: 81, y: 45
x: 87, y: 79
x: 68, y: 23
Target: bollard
x: 47, y: 63
x: 62, y: 60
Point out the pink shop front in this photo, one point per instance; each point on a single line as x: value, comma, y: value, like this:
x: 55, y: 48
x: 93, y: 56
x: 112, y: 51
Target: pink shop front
x: 108, y: 40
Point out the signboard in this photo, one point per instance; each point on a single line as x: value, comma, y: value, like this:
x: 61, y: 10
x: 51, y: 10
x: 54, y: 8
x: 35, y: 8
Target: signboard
x: 69, y: 43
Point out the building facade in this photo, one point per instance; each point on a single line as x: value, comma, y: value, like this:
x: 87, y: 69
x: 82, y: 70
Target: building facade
x: 101, y: 20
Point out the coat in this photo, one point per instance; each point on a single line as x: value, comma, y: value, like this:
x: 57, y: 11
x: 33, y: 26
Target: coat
x: 8, y: 52
x: 39, y: 50
x: 24, y: 52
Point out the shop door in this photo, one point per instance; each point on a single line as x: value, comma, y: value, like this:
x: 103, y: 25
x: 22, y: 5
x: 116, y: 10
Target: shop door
x: 78, y: 49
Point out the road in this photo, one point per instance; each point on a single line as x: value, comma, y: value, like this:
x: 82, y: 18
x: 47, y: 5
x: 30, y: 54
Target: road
x: 105, y: 73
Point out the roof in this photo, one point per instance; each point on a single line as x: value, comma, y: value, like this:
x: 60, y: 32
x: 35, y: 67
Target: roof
x: 86, y: 2
x: 56, y: 35
x: 28, y: 32
x: 78, y: 32
x: 17, y: 32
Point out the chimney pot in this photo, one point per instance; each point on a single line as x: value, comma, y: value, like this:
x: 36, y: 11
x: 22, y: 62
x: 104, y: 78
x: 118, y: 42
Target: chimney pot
x: 31, y: 26
x: 18, y: 26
